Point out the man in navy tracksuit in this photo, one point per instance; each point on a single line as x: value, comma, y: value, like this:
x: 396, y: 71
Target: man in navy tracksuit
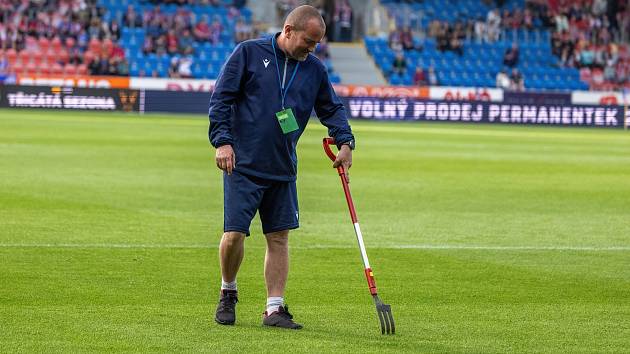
x: 261, y: 104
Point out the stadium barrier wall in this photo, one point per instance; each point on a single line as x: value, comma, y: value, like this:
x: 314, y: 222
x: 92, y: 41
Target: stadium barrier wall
x: 436, y: 92
x: 69, y: 98
x: 513, y: 108
x: 119, y: 82
x: 175, y: 102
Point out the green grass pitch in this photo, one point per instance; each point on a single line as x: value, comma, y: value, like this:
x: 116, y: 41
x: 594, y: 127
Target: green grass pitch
x: 484, y: 239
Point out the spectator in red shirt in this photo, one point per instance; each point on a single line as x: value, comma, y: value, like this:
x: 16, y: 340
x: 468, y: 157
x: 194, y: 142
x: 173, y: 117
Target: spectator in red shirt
x: 420, y: 77
x: 202, y: 30
x: 117, y: 52
x: 172, y: 45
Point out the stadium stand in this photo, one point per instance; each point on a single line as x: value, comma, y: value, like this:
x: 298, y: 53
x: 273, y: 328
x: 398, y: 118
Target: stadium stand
x: 557, y: 45
x: 188, y: 39
x: 184, y: 38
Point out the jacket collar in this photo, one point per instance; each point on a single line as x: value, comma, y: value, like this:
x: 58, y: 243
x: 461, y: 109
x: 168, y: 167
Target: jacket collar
x: 279, y: 52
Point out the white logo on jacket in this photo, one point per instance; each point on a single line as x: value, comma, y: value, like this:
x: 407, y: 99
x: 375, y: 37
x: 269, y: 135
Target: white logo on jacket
x: 266, y: 62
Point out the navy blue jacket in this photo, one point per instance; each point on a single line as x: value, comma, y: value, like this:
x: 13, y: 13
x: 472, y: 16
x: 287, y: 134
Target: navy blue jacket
x: 247, y: 96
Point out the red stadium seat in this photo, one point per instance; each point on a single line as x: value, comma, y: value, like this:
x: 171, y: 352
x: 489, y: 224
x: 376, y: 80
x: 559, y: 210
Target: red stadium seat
x: 51, y: 55
x: 24, y: 57
x: 62, y: 55
x: 70, y: 42
x: 31, y: 69
x: 88, y: 56
x: 11, y: 55
x: 56, y: 69
x: 44, y: 44
x: 94, y: 45
x: 31, y: 43
x: 56, y: 43
x: 17, y: 66
x: 82, y: 69
x: 38, y: 58
x: 70, y: 70
x: 44, y: 69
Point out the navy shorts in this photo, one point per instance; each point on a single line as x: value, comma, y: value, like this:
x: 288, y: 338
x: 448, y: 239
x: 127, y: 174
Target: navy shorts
x: 275, y: 201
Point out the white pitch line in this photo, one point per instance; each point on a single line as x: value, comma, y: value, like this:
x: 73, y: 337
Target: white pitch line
x: 418, y: 246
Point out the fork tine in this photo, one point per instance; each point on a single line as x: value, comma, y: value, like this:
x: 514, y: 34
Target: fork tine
x: 385, y: 309
x: 391, y: 319
x: 381, y: 319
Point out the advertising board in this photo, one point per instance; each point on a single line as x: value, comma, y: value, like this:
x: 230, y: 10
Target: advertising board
x: 484, y: 112
x: 70, y: 98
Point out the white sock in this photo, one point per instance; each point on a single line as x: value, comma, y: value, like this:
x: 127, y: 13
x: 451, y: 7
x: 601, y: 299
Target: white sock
x: 228, y: 286
x: 273, y: 303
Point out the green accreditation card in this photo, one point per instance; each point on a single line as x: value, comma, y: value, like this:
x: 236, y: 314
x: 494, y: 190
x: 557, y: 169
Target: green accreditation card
x: 287, y: 121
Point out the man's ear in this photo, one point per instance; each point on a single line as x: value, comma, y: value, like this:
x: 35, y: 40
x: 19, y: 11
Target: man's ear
x: 288, y: 30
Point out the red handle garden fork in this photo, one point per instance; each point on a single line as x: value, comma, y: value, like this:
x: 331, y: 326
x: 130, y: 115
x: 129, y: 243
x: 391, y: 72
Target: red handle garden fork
x: 384, y: 311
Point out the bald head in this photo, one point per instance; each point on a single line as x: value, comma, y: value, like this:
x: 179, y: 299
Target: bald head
x: 302, y: 15
x: 302, y: 30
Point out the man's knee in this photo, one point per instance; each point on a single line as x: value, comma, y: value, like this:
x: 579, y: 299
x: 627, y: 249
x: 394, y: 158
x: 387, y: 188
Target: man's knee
x: 233, y: 238
x: 278, y: 239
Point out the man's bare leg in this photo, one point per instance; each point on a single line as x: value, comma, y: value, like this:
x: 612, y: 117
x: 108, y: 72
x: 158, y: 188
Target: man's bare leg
x: 231, y: 252
x: 277, y: 263
x: 231, y: 256
x: 276, y: 272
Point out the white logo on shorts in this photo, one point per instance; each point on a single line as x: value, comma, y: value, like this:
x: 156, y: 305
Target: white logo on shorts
x: 266, y: 62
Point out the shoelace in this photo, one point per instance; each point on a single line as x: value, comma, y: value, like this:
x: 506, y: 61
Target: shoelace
x: 285, y: 313
x: 227, y: 302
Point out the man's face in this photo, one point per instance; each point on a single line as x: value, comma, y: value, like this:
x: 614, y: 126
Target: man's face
x: 301, y: 43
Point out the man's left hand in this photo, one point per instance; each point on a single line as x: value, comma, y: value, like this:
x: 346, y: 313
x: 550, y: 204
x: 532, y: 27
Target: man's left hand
x: 344, y: 158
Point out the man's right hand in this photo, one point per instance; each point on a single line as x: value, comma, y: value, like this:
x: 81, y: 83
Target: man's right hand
x: 225, y: 158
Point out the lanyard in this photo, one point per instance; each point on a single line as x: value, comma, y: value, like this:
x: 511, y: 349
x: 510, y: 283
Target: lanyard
x: 283, y: 90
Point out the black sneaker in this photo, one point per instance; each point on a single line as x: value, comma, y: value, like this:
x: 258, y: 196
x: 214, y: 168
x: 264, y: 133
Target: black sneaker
x: 281, y: 318
x: 226, y: 310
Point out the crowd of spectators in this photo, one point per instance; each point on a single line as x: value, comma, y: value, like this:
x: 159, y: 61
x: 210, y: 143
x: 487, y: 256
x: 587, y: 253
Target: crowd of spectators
x: 338, y: 15
x: 590, y: 34
x: 77, y: 19
x: 513, y: 82
x: 488, y: 29
x: 450, y: 36
x: 235, y: 3
x: 401, y: 39
x: 447, y: 36
x: 60, y: 34
x: 426, y: 77
x: 584, y: 37
x: 175, y: 33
